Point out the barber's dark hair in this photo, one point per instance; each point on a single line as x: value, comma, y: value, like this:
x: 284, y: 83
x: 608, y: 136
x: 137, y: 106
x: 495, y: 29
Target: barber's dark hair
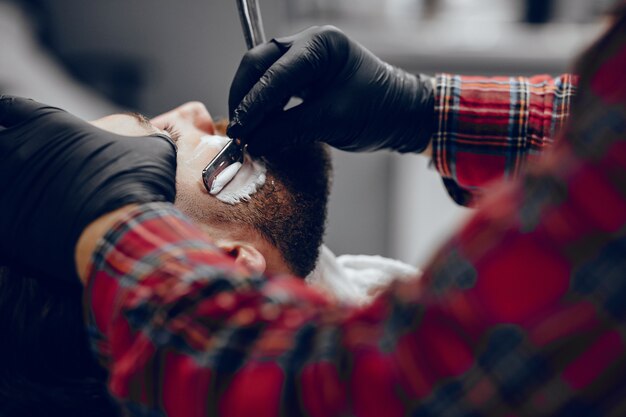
x: 46, y: 365
x: 588, y: 62
x: 588, y: 106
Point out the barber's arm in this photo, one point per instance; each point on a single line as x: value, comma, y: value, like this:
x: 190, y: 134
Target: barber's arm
x: 59, y: 173
x: 476, y: 129
x: 185, y: 333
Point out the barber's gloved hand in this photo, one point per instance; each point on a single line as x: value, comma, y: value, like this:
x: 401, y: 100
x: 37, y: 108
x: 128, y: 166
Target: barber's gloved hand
x: 352, y: 99
x: 59, y: 173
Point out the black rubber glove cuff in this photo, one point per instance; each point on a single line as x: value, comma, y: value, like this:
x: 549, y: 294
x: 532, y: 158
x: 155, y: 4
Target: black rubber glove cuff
x: 58, y: 174
x: 414, y: 132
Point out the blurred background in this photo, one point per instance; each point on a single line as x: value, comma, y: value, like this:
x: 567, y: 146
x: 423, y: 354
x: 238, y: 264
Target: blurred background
x: 98, y: 57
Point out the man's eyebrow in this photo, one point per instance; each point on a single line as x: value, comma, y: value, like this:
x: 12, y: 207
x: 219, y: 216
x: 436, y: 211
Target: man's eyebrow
x: 141, y: 119
x: 172, y: 134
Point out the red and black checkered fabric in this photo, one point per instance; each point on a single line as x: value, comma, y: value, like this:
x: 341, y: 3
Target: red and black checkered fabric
x: 522, y: 313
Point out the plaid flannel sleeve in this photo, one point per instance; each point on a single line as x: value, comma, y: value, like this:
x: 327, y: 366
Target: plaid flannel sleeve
x: 489, y: 128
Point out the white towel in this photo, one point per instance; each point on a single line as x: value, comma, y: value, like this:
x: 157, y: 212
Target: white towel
x: 355, y: 279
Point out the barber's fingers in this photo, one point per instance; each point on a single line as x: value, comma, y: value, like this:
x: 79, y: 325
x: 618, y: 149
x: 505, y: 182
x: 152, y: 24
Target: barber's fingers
x: 312, y: 56
x: 15, y: 110
x: 252, y: 67
x: 283, y: 129
x: 291, y: 75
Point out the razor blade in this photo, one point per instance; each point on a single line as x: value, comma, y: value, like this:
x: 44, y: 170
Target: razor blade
x: 231, y: 153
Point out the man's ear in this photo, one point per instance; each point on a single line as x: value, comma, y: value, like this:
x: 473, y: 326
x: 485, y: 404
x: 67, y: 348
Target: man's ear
x: 245, y: 255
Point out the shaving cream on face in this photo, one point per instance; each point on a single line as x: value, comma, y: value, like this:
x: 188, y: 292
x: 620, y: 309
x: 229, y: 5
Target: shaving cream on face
x: 238, y: 181
x: 224, y: 177
x: 208, y: 143
x: 248, y: 180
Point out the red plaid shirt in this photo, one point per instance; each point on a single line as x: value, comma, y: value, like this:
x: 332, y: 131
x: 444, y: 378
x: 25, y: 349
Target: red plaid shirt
x: 522, y: 313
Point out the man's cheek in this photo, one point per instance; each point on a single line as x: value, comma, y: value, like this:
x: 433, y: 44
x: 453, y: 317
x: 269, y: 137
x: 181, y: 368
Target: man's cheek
x: 189, y: 187
x: 192, y: 201
x: 184, y: 197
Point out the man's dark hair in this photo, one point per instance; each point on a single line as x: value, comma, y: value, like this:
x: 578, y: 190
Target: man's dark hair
x: 299, y: 225
x: 46, y: 365
x: 290, y: 210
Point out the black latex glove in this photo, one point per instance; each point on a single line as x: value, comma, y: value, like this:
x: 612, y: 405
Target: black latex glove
x: 59, y: 173
x: 352, y: 100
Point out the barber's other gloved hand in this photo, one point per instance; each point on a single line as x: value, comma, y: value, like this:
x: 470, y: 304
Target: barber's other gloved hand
x: 58, y: 174
x: 352, y: 99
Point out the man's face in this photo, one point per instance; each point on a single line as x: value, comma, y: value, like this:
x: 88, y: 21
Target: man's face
x: 186, y: 125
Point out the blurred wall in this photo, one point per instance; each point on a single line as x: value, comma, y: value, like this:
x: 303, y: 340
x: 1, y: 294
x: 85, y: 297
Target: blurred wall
x: 189, y: 49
